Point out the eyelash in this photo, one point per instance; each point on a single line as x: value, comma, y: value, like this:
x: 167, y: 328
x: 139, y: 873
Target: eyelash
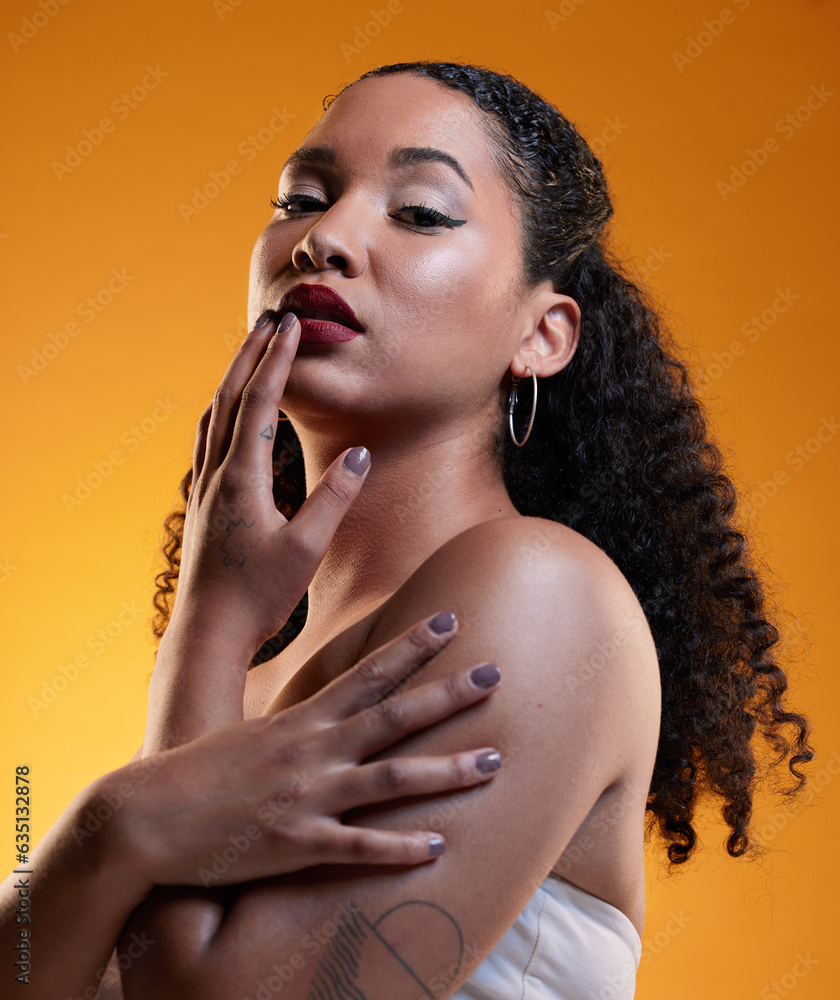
x: 438, y: 218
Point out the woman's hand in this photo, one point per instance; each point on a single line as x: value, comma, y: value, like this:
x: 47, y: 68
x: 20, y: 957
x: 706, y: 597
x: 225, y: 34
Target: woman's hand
x: 265, y: 796
x: 244, y: 566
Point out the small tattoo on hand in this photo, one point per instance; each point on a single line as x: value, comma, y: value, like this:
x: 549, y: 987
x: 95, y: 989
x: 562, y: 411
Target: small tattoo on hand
x: 239, y: 546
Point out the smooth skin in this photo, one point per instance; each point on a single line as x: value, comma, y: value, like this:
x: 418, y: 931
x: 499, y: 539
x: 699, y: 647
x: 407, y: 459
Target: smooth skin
x: 578, y: 719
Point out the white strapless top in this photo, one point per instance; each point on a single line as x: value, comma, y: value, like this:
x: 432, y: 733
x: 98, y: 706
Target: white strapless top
x: 565, y: 945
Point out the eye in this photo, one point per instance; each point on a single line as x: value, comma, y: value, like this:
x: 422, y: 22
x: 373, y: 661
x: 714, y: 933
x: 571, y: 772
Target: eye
x: 428, y: 218
x: 432, y: 216
x: 287, y: 200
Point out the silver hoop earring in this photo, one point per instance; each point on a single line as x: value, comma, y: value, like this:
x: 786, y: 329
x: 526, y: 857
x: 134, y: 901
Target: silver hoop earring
x: 512, y: 400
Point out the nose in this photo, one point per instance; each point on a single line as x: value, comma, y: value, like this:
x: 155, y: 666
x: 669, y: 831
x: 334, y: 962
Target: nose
x: 331, y: 242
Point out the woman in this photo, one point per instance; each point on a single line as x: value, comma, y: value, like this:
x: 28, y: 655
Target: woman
x: 440, y: 233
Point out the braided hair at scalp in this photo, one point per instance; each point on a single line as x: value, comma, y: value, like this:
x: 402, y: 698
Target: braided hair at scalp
x: 620, y: 452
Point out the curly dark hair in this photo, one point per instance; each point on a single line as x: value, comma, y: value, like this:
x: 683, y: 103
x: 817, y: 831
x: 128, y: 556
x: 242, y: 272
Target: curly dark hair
x: 620, y: 452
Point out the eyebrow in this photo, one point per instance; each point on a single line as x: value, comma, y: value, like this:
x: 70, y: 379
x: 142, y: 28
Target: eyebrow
x: 408, y: 156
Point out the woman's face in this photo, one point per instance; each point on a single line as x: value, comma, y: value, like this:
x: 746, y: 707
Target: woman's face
x: 438, y: 300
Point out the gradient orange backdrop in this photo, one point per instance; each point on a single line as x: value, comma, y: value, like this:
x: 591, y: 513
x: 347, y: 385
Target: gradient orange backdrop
x: 724, y: 181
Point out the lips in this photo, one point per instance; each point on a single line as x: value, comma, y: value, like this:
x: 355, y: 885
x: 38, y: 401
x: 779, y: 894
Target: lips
x: 309, y: 301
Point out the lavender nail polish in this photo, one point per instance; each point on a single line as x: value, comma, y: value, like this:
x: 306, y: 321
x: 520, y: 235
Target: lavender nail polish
x: 357, y: 459
x: 490, y: 760
x: 436, y: 846
x: 286, y: 323
x: 443, y: 622
x: 265, y: 319
x: 486, y: 675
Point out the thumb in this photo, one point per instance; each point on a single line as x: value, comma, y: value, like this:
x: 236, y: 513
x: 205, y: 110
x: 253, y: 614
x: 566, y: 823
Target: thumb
x: 320, y: 514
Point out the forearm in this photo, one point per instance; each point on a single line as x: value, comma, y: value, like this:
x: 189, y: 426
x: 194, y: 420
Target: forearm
x: 198, y: 685
x: 79, y: 893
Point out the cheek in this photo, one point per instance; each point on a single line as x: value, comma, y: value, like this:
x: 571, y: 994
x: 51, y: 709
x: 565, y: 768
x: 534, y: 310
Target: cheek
x: 266, y: 261
x: 447, y: 288
x: 258, y: 266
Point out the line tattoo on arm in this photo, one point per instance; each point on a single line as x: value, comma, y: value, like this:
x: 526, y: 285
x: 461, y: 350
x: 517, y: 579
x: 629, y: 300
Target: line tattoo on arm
x: 360, y: 946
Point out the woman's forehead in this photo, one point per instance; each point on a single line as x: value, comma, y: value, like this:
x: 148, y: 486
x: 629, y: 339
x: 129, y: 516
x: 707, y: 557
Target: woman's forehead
x: 401, y: 105
x: 387, y: 116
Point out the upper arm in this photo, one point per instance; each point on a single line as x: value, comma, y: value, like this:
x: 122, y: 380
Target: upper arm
x: 570, y: 639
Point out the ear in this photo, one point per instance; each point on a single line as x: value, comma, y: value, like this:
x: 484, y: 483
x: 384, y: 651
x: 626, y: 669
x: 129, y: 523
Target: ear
x: 552, y: 337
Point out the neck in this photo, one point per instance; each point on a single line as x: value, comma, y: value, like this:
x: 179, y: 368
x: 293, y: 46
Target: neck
x: 414, y: 499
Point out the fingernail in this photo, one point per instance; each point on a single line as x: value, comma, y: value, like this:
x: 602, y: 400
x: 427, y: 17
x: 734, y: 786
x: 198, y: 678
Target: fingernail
x: 443, y: 622
x: 436, y: 846
x: 357, y: 459
x: 486, y: 675
x: 490, y: 760
x: 265, y: 319
x: 286, y: 323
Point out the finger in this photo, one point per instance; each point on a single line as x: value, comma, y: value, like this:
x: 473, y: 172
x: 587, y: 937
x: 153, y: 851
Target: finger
x: 381, y: 671
x: 345, y: 844
x: 255, y: 424
x: 201, y: 442
x: 394, y: 717
x: 312, y: 528
x: 398, y: 777
x: 229, y: 393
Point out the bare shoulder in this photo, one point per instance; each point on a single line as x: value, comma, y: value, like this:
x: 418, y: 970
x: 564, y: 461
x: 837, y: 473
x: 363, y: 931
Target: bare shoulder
x: 530, y: 547
x: 579, y: 709
x: 540, y: 588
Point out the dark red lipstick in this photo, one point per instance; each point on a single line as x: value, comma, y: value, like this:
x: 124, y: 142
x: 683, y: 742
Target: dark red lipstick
x: 324, y: 315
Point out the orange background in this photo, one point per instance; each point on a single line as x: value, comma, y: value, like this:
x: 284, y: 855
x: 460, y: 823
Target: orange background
x: 668, y: 130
